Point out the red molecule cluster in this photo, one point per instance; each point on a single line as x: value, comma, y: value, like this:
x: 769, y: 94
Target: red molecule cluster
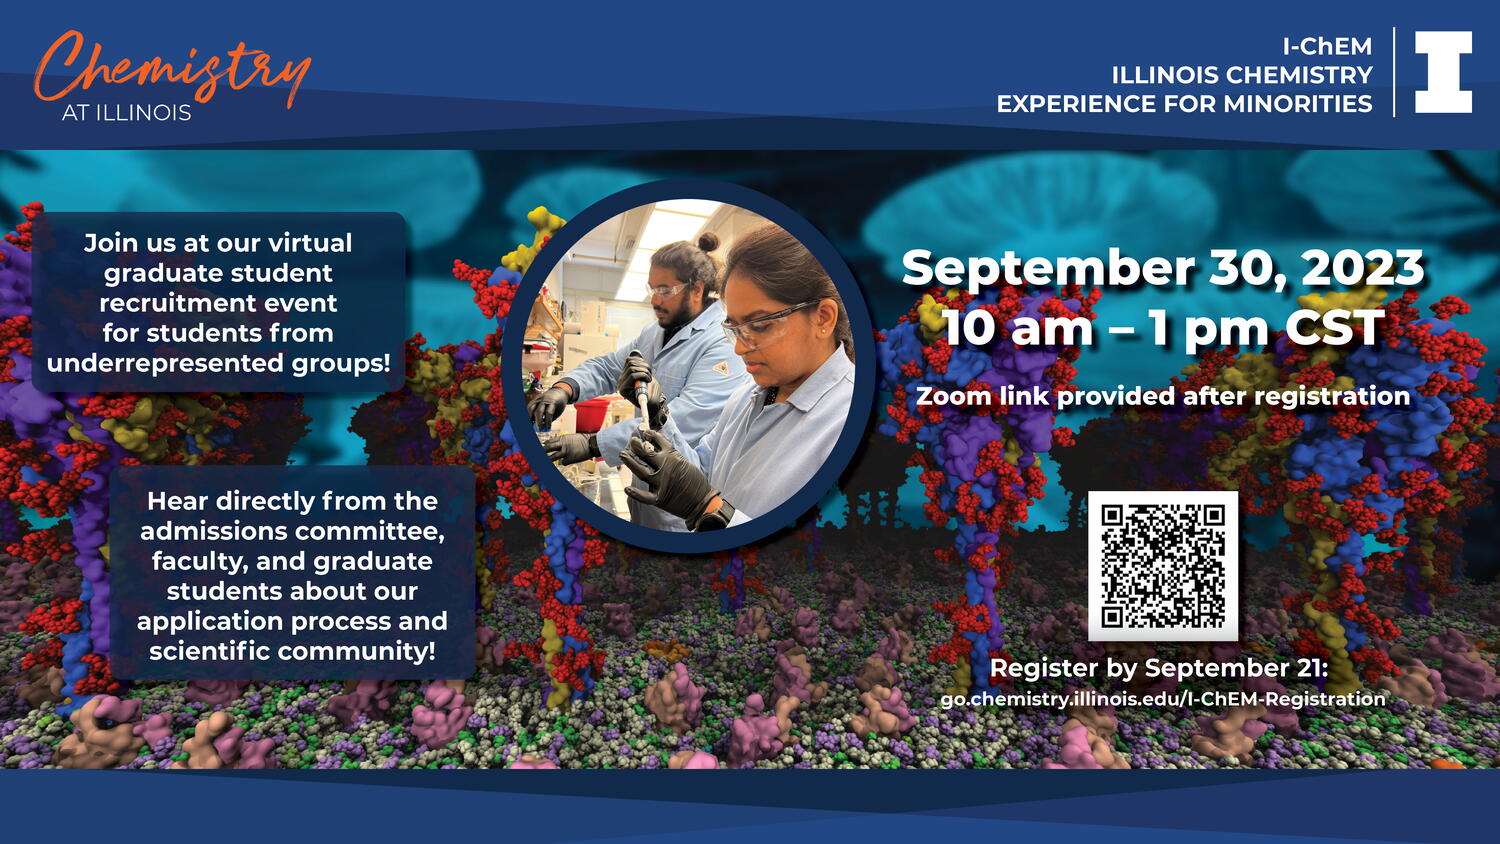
x: 56, y: 617
x: 22, y: 235
x: 937, y: 354
x: 49, y: 655
x: 494, y: 300
x: 99, y: 680
x: 965, y: 618
x: 15, y: 338
x: 524, y: 650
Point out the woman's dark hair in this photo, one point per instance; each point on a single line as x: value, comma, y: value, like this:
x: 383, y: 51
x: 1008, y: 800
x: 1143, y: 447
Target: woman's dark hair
x: 692, y: 264
x: 785, y: 270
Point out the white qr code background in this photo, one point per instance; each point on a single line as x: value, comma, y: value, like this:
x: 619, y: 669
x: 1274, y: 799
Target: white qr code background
x: 1164, y: 566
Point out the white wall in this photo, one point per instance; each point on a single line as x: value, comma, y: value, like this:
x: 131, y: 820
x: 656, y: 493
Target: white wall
x: 630, y: 316
x: 730, y: 224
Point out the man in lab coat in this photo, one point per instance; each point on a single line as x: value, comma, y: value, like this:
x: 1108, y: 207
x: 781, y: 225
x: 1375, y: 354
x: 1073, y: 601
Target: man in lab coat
x: 690, y: 359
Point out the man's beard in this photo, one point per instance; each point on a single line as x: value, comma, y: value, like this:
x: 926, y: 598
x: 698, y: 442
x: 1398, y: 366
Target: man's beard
x: 675, y: 318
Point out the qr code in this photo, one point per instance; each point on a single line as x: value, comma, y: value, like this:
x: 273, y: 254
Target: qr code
x: 1164, y: 566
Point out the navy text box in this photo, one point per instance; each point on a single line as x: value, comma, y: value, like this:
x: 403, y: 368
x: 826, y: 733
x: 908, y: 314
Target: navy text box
x: 235, y: 613
x: 285, y: 317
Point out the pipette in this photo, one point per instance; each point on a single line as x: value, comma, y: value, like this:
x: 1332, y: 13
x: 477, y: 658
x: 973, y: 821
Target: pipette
x: 642, y: 400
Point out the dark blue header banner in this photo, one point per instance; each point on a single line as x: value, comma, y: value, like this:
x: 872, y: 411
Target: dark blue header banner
x: 783, y: 75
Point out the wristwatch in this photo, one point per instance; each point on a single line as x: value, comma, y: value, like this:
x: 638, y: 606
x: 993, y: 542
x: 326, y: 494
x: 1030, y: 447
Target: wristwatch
x: 715, y: 519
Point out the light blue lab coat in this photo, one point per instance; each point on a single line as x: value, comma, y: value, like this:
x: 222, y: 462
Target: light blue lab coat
x: 698, y: 371
x: 759, y: 455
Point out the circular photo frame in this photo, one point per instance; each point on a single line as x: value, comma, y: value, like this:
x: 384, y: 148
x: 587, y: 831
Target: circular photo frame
x: 825, y: 476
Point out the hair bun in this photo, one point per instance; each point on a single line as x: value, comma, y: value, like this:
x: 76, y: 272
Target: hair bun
x: 708, y: 241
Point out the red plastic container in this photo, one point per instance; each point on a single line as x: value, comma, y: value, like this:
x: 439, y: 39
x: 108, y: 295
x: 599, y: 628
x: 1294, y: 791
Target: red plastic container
x: 591, y: 414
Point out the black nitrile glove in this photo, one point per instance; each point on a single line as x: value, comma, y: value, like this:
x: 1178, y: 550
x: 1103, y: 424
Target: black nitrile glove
x: 568, y: 449
x: 637, y: 371
x: 548, y: 406
x: 676, y: 486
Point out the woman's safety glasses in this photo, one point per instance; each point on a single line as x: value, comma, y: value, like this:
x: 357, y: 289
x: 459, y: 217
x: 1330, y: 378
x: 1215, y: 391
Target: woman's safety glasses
x: 762, y: 331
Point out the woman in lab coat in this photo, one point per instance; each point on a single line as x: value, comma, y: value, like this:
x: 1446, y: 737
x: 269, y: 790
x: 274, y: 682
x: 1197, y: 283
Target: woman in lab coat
x: 789, y: 327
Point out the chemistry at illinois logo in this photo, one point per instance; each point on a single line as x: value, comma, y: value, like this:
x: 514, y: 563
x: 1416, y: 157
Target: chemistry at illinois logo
x: 69, y: 70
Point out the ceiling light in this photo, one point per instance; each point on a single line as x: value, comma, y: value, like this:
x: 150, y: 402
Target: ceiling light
x: 665, y: 227
x: 698, y: 207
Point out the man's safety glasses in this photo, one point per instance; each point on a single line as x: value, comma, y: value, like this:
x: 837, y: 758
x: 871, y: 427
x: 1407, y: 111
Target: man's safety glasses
x: 666, y: 292
x: 762, y: 331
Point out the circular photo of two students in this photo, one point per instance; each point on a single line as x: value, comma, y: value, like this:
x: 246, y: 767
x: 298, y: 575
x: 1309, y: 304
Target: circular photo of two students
x: 690, y: 373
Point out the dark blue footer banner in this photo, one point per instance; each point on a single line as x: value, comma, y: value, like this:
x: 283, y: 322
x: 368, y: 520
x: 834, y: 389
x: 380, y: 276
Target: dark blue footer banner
x: 793, y: 806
